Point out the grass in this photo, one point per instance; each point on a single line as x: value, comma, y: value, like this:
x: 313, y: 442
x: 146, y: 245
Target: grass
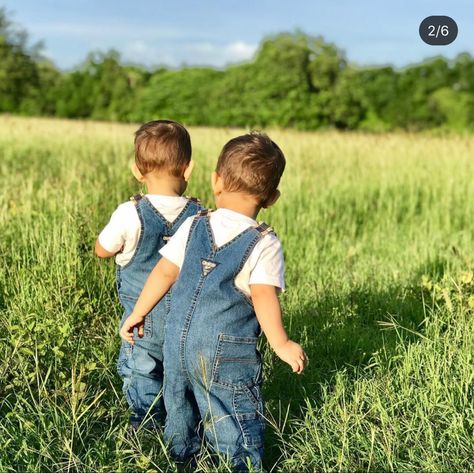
x: 378, y: 232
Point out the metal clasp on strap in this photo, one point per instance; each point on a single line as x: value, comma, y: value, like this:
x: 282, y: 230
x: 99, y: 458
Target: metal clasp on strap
x: 264, y: 229
x: 193, y: 199
x: 136, y: 198
x: 204, y: 212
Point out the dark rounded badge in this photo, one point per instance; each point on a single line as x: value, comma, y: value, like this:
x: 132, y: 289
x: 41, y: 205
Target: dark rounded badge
x: 438, y: 30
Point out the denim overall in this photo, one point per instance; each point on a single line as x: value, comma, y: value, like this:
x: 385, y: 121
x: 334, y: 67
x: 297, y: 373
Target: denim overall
x: 141, y: 366
x: 213, y: 369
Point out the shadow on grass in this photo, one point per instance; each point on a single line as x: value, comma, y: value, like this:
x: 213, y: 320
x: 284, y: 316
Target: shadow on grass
x: 341, y: 332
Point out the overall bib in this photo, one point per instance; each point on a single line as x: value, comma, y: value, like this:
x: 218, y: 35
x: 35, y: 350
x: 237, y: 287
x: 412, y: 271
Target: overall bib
x: 212, y: 384
x: 141, y: 366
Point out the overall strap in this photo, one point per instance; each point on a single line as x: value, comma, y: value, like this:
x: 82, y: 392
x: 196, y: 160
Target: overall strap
x: 136, y: 198
x: 203, y: 213
x: 199, y: 217
x: 193, y: 199
x: 264, y: 229
x: 191, y: 208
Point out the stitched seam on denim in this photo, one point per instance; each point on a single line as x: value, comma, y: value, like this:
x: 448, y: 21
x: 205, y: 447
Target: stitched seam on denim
x: 253, y: 399
x: 186, y: 325
x: 126, y: 296
x: 193, y: 199
x: 217, y: 356
x: 118, y: 280
x: 219, y: 382
x: 210, y: 236
x: 140, y: 239
x: 239, y: 360
x: 216, y: 248
x: 235, y: 339
x: 156, y: 211
x: 185, y: 208
x: 148, y: 326
x: 167, y: 222
x: 234, y: 406
x: 225, y: 384
x: 168, y: 301
x: 240, y: 420
x: 191, y: 208
x: 191, y: 230
x: 247, y: 253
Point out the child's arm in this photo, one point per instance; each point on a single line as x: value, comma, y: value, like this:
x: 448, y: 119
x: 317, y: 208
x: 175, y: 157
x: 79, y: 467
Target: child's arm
x: 268, y: 311
x: 122, y: 227
x: 159, y: 281
x: 101, y: 252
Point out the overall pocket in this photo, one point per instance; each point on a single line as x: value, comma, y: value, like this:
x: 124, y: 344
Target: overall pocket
x: 237, y: 361
x: 249, y: 412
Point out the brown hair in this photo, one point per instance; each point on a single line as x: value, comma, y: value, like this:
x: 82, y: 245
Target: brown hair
x: 253, y: 164
x: 162, y: 145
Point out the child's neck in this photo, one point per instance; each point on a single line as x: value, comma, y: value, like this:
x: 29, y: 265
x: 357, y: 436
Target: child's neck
x: 165, y: 185
x: 238, y: 202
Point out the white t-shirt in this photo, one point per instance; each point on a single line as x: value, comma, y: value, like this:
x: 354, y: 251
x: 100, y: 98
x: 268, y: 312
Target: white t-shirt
x: 123, y: 229
x: 265, y: 263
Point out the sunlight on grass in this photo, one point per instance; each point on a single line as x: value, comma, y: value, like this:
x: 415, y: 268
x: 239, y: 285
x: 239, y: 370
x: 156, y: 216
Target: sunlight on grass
x: 378, y: 233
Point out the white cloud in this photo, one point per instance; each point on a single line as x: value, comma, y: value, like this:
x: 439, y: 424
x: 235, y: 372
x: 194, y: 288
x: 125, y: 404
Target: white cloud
x: 139, y: 52
x: 191, y: 53
x: 150, y: 46
x: 241, y: 51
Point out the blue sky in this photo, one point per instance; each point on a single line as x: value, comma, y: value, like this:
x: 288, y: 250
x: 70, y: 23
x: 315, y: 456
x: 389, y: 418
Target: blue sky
x: 218, y: 32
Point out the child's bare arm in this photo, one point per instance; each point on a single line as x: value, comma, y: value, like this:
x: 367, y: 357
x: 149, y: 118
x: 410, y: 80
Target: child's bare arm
x: 101, y: 252
x: 268, y: 311
x: 159, y: 281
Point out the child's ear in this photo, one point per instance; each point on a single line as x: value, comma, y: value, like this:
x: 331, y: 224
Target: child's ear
x: 137, y: 174
x: 217, y: 183
x: 272, y: 200
x: 188, y: 171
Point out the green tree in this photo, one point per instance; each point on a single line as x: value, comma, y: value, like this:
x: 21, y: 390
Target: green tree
x: 410, y: 107
x: 18, y: 70
x: 185, y: 95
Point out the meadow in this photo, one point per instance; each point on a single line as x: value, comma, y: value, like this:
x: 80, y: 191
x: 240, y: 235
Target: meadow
x: 378, y: 232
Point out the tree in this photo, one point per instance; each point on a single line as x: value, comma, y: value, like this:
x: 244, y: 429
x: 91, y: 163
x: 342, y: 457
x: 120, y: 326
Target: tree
x: 18, y: 70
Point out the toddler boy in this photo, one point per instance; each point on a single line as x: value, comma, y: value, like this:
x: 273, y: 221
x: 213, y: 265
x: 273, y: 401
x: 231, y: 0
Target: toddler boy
x: 227, y: 272
x: 135, y: 233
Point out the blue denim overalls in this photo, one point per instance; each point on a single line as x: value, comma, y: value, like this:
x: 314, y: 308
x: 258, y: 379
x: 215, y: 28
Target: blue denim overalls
x: 212, y: 366
x: 141, y: 366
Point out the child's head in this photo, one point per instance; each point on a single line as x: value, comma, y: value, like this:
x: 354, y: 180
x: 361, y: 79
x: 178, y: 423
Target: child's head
x: 251, y: 165
x: 162, y: 148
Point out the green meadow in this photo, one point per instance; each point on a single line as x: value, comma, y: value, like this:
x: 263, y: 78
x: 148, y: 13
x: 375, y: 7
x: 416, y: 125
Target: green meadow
x: 378, y: 233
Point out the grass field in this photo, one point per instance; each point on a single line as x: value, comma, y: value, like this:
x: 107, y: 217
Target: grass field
x: 378, y: 232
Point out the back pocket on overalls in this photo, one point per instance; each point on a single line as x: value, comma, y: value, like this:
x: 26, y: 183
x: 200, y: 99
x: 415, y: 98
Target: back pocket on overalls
x: 249, y: 413
x: 237, y: 362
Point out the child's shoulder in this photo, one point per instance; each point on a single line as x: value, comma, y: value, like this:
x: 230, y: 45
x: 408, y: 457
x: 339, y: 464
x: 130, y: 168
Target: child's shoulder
x: 125, y: 208
x: 269, y: 238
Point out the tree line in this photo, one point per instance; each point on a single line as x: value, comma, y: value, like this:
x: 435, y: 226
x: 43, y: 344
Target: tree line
x: 294, y: 80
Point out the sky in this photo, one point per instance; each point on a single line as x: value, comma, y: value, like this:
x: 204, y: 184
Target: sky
x: 220, y: 32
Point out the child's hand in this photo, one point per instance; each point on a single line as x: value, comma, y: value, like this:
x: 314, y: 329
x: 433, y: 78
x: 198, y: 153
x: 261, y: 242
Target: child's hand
x: 292, y: 353
x: 132, y: 321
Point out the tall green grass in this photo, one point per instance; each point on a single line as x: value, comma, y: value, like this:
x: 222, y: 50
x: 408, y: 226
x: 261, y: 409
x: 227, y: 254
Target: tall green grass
x: 378, y: 234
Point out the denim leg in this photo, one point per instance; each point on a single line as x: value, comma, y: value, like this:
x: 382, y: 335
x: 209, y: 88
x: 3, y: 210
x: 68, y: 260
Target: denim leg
x: 234, y: 423
x: 181, y: 431
x: 141, y: 368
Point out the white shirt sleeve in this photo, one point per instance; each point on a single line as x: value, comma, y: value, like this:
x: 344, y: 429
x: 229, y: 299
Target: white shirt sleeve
x: 113, y: 237
x: 175, y: 249
x: 267, y: 263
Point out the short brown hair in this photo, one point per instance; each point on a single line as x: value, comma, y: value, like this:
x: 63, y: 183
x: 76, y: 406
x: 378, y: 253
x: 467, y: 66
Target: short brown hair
x: 162, y: 145
x: 253, y: 164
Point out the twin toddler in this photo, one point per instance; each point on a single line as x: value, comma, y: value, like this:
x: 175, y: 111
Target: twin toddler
x: 197, y: 287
